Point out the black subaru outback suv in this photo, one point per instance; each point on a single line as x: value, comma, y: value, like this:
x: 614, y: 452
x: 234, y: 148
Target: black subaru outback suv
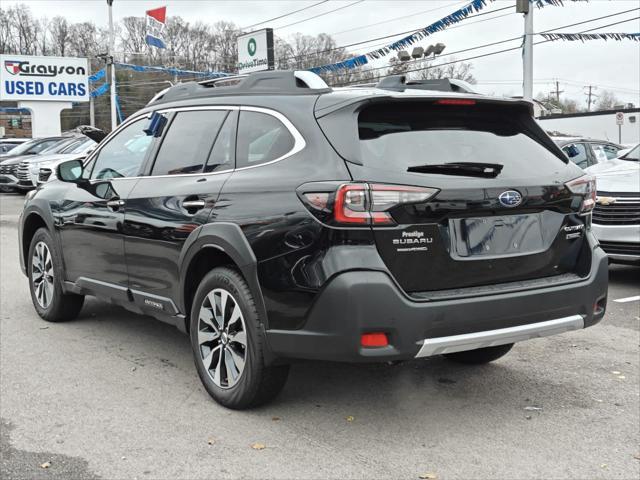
x: 275, y: 219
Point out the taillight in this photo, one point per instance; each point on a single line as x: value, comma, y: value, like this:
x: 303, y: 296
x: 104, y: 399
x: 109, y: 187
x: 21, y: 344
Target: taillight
x: 585, y: 186
x: 360, y: 204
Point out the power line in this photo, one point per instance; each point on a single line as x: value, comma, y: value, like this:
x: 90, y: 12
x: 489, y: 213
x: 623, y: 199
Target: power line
x: 411, y: 62
x: 498, y: 51
x: 285, y: 15
x: 320, y: 14
x: 397, y: 18
x: 413, y: 30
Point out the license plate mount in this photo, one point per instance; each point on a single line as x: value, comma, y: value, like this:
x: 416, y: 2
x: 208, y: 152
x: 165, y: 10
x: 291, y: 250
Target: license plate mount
x: 495, y: 237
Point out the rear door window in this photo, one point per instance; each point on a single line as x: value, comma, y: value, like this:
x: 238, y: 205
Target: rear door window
x: 222, y: 153
x: 397, y: 137
x: 262, y: 138
x: 188, y: 142
x: 577, y: 153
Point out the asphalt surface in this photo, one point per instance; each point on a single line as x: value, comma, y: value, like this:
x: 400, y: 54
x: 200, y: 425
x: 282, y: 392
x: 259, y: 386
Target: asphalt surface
x: 114, y: 395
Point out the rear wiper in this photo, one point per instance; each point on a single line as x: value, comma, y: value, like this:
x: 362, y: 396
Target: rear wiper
x: 464, y: 169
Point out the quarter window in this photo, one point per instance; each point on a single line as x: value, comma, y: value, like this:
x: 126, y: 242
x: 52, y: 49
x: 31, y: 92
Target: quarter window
x: 188, y: 142
x: 261, y: 138
x: 124, y: 154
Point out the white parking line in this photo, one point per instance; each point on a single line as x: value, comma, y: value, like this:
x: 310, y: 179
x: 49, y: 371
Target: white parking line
x: 628, y: 299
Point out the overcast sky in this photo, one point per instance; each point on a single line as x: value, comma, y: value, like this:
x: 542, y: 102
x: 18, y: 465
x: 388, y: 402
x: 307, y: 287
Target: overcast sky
x: 607, y: 65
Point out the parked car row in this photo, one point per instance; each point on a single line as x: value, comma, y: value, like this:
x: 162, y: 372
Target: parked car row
x: 20, y: 167
x: 8, y: 144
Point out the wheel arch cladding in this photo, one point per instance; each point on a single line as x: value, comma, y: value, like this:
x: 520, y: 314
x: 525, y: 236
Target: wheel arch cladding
x: 31, y: 224
x: 217, y: 245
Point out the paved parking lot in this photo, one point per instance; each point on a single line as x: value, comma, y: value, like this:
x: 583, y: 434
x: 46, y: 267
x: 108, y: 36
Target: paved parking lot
x: 115, y: 395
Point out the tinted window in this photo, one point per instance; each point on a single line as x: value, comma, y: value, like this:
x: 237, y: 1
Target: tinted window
x: 124, y: 154
x: 604, y: 151
x: 395, y: 137
x: 187, y: 144
x: 221, y: 157
x: 577, y: 153
x: 261, y: 138
x: 39, y: 147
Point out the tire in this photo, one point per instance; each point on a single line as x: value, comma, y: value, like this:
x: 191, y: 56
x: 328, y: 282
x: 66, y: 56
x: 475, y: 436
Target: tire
x: 481, y: 355
x: 235, y: 374
x: 53, y: 305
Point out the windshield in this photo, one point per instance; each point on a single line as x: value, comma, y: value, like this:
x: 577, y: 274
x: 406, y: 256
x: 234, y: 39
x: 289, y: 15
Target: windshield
x: 398, y: 137
x: 633, y: 155
x: 24, y: 147
x: 80, y: 147
x: 59, y: 146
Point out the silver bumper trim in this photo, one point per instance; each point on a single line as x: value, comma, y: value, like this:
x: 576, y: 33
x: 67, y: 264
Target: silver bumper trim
x: 490, y: 338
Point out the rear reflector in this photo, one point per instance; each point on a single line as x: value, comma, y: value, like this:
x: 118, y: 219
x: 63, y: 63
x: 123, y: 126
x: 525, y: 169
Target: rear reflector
x: 374, y: 340
x: 455, y: 101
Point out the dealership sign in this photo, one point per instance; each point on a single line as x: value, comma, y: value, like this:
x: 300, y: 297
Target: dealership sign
x: 60, y: 79
x: 255, y: 51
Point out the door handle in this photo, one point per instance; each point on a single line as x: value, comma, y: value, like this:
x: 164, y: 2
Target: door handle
x: 115, y: 204
x: 193, y: 204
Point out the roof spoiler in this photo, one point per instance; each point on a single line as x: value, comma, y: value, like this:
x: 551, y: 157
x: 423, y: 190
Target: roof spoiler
x: 399, y: 83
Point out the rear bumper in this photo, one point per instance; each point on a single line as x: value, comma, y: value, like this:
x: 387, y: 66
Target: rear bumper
x: 358, y: 302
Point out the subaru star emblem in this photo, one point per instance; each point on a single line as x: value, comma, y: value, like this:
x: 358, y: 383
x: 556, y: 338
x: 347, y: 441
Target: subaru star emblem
x: 510, y: 198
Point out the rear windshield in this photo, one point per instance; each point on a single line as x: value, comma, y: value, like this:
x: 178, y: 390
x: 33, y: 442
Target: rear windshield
x: 396, y: 137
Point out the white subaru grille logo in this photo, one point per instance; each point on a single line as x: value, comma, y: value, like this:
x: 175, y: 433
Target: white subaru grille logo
x: 510, y: 198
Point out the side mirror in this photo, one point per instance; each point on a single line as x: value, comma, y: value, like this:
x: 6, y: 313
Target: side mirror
x: 70, y: 171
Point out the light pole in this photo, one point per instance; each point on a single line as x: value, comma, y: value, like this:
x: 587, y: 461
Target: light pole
x: 112, y: 66
x: 525, y: 7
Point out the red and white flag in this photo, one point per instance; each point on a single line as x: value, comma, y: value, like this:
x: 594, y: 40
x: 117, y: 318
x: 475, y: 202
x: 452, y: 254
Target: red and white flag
x: 155, y: 26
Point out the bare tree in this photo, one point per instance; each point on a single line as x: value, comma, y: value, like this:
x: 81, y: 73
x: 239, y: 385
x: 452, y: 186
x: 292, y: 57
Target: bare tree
x: 59, y: 29
x: 424, y: 70
x: 225, y: 46
x: 607, y: 100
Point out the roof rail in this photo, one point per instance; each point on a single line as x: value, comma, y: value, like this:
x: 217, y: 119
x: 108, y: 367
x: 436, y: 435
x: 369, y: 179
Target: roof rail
x: 399, y: 83
x: 267, y: 82
x: 212, y: 81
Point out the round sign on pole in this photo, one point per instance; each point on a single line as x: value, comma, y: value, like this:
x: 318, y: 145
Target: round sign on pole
x: 619, y: 118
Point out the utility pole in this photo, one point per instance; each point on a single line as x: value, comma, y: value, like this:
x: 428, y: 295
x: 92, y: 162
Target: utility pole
x: 590, y: 94
x: 524, y: 6
x: 558, y: 92
x: 92, y: 112
x: 110, y: 61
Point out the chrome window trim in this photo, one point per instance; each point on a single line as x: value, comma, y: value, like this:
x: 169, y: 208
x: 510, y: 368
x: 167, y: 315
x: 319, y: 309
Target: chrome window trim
x: 299, y: 142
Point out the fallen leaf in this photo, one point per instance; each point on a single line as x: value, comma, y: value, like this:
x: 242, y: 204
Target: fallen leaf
x: 275, y: 419
x: 350, y: 418
x: 211, y: 441
x: 428, y: 476
x: 45, y: 465
x: 258, y: 446
x: 637, y: 456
